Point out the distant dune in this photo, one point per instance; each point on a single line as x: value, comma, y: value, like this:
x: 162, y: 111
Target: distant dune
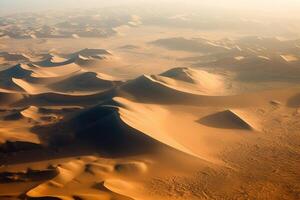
x: 86, y: 81
x: 194, y: 45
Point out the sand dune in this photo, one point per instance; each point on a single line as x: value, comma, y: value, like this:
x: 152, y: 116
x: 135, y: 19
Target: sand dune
x: 206, y: 83
x: 30, y: 88
x: 53, y: 61
x: 289, y: 58
x: 17, y: 71
x: 93, y: 136
x: 87, y: 57
x: 92, y: 60
x: 146, y: 88
x: 60, y: 69
x: 35, y: 114
x: 66, y: 173
x: 83, y: 57
x: 73, y: 82
x: 182, y: 84
x: 94, y: 53
x: 14, y: 56
x: 115, y: 124
x: 107, y: 132
x: 31, y: 72
x: 86, y: 81
x: 227, y: 119
x: 7, y: 76
x: 61, y: 99
x: 131, y: 167
x: 193, y: 45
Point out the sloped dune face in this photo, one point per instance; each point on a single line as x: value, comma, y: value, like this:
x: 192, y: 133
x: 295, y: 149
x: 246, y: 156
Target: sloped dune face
x: 119, y: 123
x: 31, y: 112
x: 35, y: 114
x: 193, y: 45
x: 138, y: 128
x: 53, y: 61
x: 66, y: 173
x: 58, y: 74
x: 90, y: 57
x: 59, y: 70
x: 95, y: 53
x: 86, y: 81
x: 17, y: 71
x: 29, y: 88
x: 186, y: 74
x: 203, y: 82
x: 182, y: 84
x: 103, y: 126
x: 227, y: 119
x: 14, y: 56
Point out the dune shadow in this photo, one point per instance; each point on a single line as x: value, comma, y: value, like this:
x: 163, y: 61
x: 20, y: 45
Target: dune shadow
x: 98, y: 130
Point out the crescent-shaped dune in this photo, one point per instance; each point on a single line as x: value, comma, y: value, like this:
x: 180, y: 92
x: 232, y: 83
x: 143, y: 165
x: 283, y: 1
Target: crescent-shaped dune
x: 205, y: 79
x: 180, y: 83
x: 58, y: 70
x: 31, y: 113
x: 16, y: 71
x: 19, y: 71
x: 66, y: 173
x: 120, y: 123
x: 146, y: 88
x: 30, y: 88
x: 54, y: 61
x: 61, y: 99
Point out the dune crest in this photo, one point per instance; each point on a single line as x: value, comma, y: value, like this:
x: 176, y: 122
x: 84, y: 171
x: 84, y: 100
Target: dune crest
x: 86, y: 81
x: 183, y: 84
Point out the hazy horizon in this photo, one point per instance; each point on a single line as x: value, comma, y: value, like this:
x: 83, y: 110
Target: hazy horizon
x: 18, y: 6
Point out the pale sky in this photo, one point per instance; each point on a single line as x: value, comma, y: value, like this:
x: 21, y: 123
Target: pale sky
x: 8, y: 6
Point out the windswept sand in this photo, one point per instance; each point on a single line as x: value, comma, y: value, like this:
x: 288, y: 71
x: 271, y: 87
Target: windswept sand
x: 68, y: 132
